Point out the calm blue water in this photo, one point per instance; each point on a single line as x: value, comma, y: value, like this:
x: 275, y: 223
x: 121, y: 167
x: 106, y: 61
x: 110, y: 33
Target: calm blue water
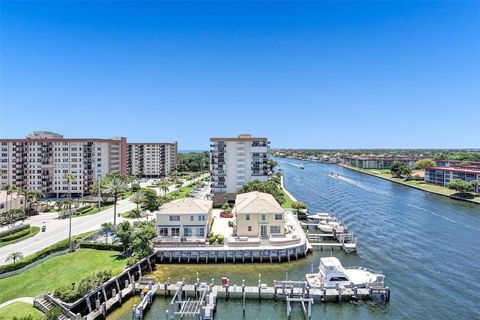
x: 427, y: 246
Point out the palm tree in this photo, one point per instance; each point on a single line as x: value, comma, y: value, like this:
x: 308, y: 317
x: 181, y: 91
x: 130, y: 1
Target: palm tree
x: 164, y: 187
x: 24, y: 192
x: 69, y: 177
x: 116, y: 185
x: 138, y: 199
x: 9, y: 189
x: 107, y: 227
x: 33, y: 197
x: 14, y: 256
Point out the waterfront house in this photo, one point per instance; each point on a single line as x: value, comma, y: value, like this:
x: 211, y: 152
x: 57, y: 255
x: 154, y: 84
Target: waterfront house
x: 258, y: 215
x: 186, y: 219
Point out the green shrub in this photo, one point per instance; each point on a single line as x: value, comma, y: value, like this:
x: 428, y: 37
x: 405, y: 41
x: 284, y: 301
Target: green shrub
x: 101, y: 246
x: 72, y: 293
x: 15, y: 235
x: 13, y: 230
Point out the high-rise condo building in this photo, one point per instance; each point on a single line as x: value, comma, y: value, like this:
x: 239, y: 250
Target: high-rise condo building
x: 235, y: 161
x: 152, y: 160
x: 41, y: 161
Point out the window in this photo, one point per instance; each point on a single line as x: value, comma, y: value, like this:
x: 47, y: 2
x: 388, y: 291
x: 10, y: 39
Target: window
x: 338, y: 279
x: 201, y: 218
x: 163, y: 232
x: 200, y: 232
x: 247, y: 217
x: 187, y: 232
x: 174, y: 218
x: 274, y: 229
x: 192, y: 218
x: 278, y: 216
x: 264, y: 217
x: 249, y: 228
x: 175, y: 232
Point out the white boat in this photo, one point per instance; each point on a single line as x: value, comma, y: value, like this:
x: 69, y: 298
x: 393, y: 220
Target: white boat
x: 327, y: 223
x: 331, y: 273
x: 331, y: 227
x: 301, y: 166
x: 334, y: 175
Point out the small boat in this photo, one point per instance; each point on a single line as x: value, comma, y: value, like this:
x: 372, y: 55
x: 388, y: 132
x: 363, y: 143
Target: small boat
x: 333, y: 227
x: 301, y: 166
x: 331, y: 273
x: 334, y: 175
x: 327, y: 223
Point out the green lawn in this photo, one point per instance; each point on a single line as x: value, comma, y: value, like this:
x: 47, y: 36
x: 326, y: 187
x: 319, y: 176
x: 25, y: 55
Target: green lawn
x: 33, y: 231
x: 288, y: 201
x: 60, y: 271
x: 184, y: 191
x: 19, y: 309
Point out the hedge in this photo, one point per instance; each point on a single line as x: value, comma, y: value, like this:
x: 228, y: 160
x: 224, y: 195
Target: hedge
x: 16, y: 235
x: 101, y: 246
x: 13, y: 230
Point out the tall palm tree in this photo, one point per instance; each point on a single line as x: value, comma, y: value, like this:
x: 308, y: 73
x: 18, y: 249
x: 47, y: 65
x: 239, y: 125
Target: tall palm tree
x: 9, y: 188
x: 33, y: 197
x: 14, y: 256
x: 137, y: 198
x: 24, y: 192
x: 69, y: 177
x: 107, y: 227
x: 116, y: 185
x: 164, y: 187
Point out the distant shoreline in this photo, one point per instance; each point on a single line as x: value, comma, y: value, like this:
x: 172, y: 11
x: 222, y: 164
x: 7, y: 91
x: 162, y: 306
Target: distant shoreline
x: 408, y: 185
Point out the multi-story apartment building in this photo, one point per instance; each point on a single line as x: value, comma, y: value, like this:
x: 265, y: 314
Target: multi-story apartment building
x: 441, y: 175
x: 235, y: 161
x: 41, y: 161
x: 377, y: 162
x: 152, y: 160
x: 454, y: 163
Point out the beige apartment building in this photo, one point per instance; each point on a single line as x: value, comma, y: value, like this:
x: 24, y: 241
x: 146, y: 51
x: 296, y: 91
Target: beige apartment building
x: 258, y: 215
x: 40, y: 161
x: 152, y: 160
x: 184, y: 219
x: 235, y: 161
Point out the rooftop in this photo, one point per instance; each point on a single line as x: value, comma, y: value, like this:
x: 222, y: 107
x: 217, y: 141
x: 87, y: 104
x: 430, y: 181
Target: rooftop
x: 456, y: 169
x: 186, y: 206
x: 256, y: 202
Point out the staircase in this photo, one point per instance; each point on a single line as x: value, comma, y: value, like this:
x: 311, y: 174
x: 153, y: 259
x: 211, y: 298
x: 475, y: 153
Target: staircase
x: 45, y: 305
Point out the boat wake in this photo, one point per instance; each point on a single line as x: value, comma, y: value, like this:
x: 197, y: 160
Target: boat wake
x: 294, y: 164
x: 443, y: 217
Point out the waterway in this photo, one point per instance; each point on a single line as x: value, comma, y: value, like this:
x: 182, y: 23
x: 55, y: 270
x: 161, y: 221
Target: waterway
x: 427, y: 246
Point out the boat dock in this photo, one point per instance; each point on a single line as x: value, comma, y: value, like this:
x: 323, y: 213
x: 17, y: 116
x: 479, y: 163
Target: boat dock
x: 345, y: 241
x: 200, y: 299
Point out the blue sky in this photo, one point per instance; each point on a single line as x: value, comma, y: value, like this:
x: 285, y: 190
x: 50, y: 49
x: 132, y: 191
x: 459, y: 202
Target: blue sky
x: 318, y: 75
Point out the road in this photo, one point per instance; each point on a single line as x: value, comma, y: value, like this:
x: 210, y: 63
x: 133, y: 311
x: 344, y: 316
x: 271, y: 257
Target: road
x: 57, y: 229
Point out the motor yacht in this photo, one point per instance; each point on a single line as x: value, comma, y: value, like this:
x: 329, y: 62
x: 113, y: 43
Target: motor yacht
x: 301, y: 166
x: 331, y: 273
